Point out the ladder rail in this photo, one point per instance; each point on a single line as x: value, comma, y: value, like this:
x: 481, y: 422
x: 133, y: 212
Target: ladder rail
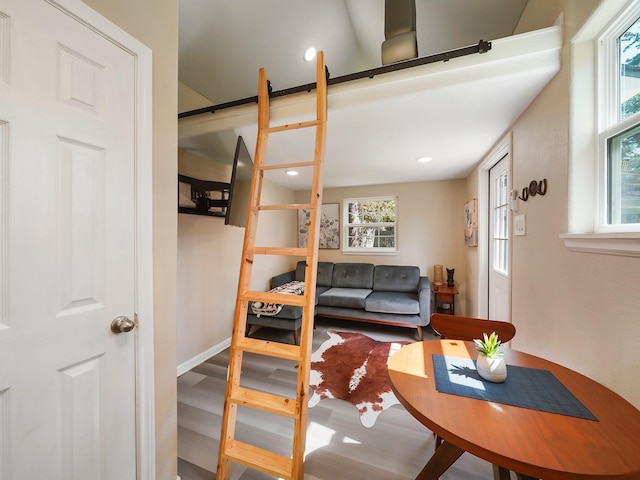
x: 230, y: 449
x: 230, y: 410
x: 311, y: 272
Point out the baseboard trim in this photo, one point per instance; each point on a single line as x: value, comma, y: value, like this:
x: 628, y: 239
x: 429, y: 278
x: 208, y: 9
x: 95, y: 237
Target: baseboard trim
x: 184, y: 367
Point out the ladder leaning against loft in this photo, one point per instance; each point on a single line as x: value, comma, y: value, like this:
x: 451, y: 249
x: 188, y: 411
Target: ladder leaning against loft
x: 232, y: 450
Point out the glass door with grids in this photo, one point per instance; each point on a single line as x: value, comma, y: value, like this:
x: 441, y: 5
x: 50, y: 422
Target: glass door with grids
x: 499, y: 242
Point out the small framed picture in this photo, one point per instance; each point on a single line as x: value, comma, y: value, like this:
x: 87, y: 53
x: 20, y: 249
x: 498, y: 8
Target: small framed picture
x: 329, y: 226
x: 471, y: 223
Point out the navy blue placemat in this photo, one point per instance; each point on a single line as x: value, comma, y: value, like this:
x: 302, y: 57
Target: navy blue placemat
x: 524, y: 387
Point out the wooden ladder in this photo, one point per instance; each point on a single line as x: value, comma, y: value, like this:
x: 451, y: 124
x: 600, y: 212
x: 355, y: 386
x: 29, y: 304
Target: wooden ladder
x: 232, y: 450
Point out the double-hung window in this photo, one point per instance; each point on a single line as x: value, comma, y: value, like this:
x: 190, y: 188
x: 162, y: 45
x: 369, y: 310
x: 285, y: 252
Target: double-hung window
x: 604, y: 168
x: 619, y: 125
x: 370, y: 225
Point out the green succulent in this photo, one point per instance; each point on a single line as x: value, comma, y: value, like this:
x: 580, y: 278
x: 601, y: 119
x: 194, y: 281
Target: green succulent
x: 489, y: 346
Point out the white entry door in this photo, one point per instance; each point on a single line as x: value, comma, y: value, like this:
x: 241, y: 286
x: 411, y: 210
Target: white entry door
x: 67, y: 382
x: 499, y: 243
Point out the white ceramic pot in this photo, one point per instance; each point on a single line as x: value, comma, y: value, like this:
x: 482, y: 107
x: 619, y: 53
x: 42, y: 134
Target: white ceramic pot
x: 492, y: 369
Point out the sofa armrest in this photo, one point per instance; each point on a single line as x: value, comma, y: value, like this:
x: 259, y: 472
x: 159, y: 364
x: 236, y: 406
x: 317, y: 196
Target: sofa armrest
x: 283, y: 278
x: 424, y: 298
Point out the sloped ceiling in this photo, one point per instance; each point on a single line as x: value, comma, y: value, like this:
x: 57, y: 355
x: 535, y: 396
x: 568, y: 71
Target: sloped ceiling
x: 453, y: 112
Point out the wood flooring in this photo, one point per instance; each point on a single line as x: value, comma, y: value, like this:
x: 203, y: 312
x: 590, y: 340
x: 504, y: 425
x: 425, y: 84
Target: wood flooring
x: 338, y: 446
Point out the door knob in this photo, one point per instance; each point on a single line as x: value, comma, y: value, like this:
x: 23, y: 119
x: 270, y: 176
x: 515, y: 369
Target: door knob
x: 122, y: 324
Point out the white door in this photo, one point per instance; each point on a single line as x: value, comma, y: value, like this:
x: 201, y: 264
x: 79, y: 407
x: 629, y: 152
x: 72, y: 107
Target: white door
x: 499, y: 215
x: 67, y: 383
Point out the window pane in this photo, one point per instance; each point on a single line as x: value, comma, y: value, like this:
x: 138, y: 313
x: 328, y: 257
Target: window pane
x: 629, y: 60
x: 372, y: 212
x: 367, y: 237
x: 360, y: 237
x: 496, y: 192
x: 503, y: 222
x: 624, y: 178
x: 500, y: 251
x: 387, y: 237
x: 501, y: 189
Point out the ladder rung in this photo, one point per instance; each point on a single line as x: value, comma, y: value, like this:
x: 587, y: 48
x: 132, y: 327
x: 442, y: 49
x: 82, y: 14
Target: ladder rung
x: 259, y: 459
x: 289, y: 251
x: 280, y: 166
x: 292, y: 126
x: 274, y: 297
x: 264, y: 401
x: 271, y: 349
x: 289, y: 206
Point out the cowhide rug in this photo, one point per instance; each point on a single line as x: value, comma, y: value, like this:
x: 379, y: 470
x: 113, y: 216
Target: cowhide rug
x: 353, y: 367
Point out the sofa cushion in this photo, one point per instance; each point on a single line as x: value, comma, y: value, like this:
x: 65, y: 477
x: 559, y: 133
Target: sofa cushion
x: 275, y: 322
x: 393, y: 302
x: 320, y: 289
x: 353, y: 275
x: 344, y: 297
x: 395, y: 278
x: 325, y: 273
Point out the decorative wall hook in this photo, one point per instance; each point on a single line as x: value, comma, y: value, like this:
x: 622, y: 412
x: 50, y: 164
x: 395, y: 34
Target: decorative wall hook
x: 535, y: 188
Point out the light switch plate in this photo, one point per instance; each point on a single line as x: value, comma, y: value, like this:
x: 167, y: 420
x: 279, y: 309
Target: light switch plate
x: 519, y: 225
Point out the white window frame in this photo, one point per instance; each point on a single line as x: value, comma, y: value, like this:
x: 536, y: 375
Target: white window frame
x: 609, y: 124
x: 346, y: 249
x: 587, y: 160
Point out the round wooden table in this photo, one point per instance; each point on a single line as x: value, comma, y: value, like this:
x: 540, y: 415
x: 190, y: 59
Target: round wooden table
x: 534, y: 443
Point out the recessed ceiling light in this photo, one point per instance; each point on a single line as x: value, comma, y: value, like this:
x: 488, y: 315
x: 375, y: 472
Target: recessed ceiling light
x: 293, y: 173
x: 310, y: 54
x: 423, y: 159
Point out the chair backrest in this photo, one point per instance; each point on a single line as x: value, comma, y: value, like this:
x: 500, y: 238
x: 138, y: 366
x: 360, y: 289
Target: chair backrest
x: 468, y: 328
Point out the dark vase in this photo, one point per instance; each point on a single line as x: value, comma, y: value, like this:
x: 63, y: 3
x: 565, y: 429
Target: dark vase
x: 450, y: 272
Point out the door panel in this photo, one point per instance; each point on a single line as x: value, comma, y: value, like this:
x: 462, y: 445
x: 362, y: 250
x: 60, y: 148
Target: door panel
x: 67, y: 383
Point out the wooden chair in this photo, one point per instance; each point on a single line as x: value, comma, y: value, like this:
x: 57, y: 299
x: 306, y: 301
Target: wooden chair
x: 469, y: 328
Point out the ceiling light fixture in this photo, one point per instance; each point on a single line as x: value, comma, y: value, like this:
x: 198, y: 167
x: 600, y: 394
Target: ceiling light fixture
x: 310, y: 54
x: 423, y: 159
x: 293, y: 173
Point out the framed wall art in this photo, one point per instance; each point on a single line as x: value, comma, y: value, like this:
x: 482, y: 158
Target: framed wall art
x: 329, y: 226
x: 471, y: 223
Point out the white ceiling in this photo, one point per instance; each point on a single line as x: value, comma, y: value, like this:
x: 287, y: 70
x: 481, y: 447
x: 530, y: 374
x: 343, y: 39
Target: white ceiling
x: 453, y: 112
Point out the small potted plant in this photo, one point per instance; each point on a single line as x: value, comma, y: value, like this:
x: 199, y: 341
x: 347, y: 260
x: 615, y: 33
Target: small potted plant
x: 490, y: 363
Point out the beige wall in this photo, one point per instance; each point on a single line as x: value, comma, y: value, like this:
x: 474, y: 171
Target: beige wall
x: 577, y: 309
x: 209, y: 255
x: 155, y: 23
x: 430, y: 227
x: 471, y: 261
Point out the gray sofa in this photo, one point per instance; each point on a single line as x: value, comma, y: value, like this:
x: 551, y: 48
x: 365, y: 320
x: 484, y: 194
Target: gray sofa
x: 386, y: 294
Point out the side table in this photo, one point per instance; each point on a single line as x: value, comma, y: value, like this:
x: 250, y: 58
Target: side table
x: 444, y: 298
